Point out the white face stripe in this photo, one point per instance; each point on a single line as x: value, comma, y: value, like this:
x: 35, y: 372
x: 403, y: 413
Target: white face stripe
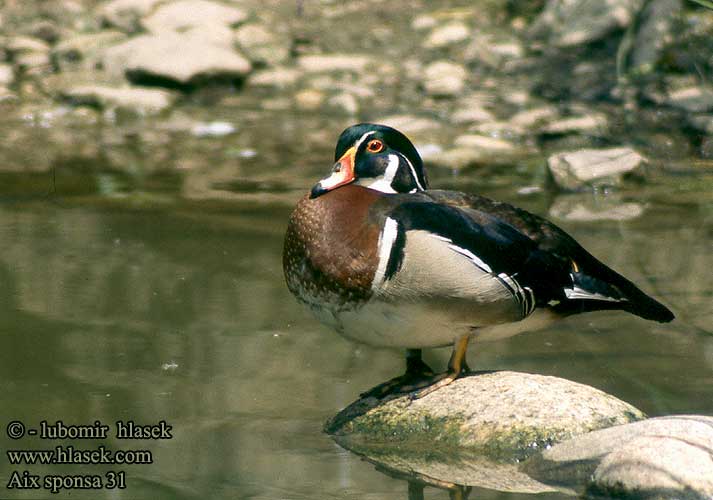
x: 386, y: 243
x: 383, y: 183
x: 362, y: 139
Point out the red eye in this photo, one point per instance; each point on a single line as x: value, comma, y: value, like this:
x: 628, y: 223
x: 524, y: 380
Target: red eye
x: 375, y: 146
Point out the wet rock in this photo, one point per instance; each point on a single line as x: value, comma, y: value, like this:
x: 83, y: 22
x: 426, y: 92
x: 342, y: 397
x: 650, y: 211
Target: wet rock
x: 656, y: 25
x: 182, y: 15
x: 126, y: 14
x: 280, y: 77
x: 493, y: 51
x: 448, y: 34
x: 692, y: 99
x: 411, y: 124
x: 212, y: 129
x: 309, y: 99
x: 424, y: 22
x: 498, y: 129
x: 444, y: 79
x: 29, y: 55
x: 85, y: 49
x: 579, y: 208
x: 344, y: 102
x: 261, y: 46
x: 702, y: 123
x: 566, y: 23
x: 487, y: 145
x: 175, y: 59
x: 45, y: 30
x: 573, y: 170
x: 534, y: 117
x: 473, y: 114
x: 334, y: 63
x: 501, y: 414
x: 7, y: 75
x: 664, y: 457
x: 141, y: 101
x: 592, y: 124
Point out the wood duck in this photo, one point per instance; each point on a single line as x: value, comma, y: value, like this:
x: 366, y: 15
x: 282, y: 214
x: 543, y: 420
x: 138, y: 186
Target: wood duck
x: 386, y: 261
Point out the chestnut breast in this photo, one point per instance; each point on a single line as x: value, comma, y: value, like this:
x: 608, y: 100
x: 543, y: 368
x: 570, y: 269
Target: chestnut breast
x: 331, y: 248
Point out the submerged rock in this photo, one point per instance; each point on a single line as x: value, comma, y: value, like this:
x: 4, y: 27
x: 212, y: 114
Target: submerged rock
x: 658, y: 458
x: 501, y: 414
x: 693, y: 99
x: 573, y: 170
x: 142, y: 101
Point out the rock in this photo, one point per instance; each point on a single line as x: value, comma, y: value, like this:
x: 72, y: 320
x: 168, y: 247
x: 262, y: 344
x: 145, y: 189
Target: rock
x: 175, y: 59
x: 534, y: 117
x: 692, y: 99
x: 29, y: 54
x: 142, y: 101
x: 702, y: 123
x: 486, y: 50
x: 332, y: 63
x: 126, y: 14
x: 212, y: 129
x: 444, y: 79
x: 573, y: 170
x: 483, y: 143
x: 473, y: 114
x: 344, y: 102
x: 45, y: 30
x: 656, y: 24
x: 424, y: 22
x: 309, y: 99
x: 501, y: 414
x: 567, y: 23
x: 663, y: 457
x: 411, y: 124
x: 587, y: 208
x: 7, y: 75
x: 182, y: 15
x: 280, y: 77
x: 85, y: 49
x: 593, y: 124
x: 261, y: 45
x: 448, y: 34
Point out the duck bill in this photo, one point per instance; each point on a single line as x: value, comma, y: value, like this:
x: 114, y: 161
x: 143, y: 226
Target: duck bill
x: 342, y: 173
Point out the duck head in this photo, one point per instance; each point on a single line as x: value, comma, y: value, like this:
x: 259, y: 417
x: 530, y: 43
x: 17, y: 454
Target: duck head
x: 377, y: 157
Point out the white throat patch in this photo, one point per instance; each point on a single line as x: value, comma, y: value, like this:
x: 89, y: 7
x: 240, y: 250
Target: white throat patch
x: 383, y: 183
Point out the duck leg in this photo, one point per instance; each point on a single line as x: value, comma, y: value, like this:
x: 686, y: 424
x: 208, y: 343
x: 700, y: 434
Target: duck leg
x: 416, y: 373
x: 456, y: 366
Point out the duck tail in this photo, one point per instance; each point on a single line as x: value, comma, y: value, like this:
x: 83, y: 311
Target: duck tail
x: 610, y: 290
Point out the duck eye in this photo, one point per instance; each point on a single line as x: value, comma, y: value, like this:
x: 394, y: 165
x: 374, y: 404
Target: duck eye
x: 375, y: 146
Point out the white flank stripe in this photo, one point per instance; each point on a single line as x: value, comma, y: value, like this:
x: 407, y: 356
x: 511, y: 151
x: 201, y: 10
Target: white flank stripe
x: 386, y: 243
x: 476, y: 260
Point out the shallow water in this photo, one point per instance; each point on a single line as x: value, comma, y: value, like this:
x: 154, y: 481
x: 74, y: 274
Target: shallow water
x: 159, y: 295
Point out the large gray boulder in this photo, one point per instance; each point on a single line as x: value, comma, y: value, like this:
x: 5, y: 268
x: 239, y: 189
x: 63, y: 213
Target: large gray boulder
x: 575, y: 169
x: 178, y: 59
x: 501, y: 414
x: 658, y: 458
